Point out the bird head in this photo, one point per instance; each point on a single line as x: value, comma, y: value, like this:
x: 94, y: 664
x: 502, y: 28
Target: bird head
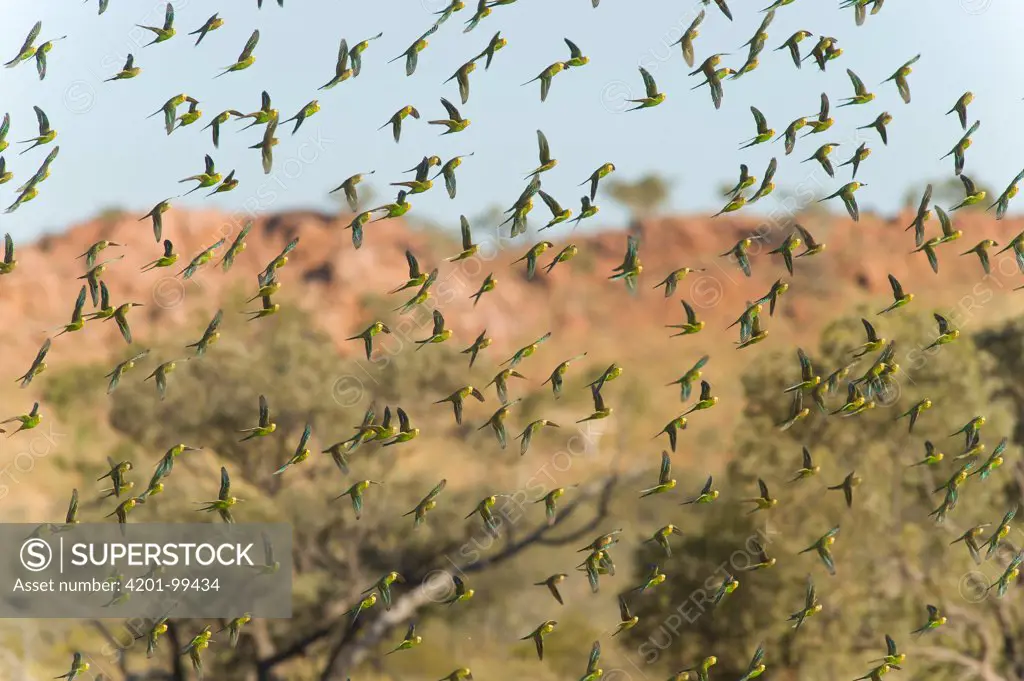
x: 714, y: 400
x: 939, y: 456
x: 910, y: 296
x: 817, y: 608
x: 941, y: 620
x: 714, y: 495
x: 803, y: 414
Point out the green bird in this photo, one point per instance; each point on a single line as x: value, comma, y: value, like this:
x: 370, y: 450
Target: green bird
x: 552, y: 583
x: 461, y: 592
x: 691, y: 326
x: 227, y: 185
x: 893, y: 656
x: 596, y: 177
x: 349, y: 187
x: 211, y: 24
x: 652, y: 96
x: 158, y: 629
x: 224, y: 500
x: 900, y: 76
x: 301, y: 452
x: 129, y: 70
x: 935, y: 620
x: 899, y: 297
x: 422, y: 295
x: 530, y: 430
x: 973, y: 194
x: 777, y: 289
x: 427, y: 504
x: 757, y: 334
x: 686, y: 40
x: 41, y: 174
x: 5, y: 175
x: 469, y: 249
x: 483, y: 509
x: 811, y: 606
x: 405, y: 430
x: 123, y: 509
x: 557, y: 376
x: 807, y: 377
x: 157, y: 215
x: 364, y: 604
x: 672, y: 429
x: 601, y: 411
x: 994, y: 461
x: 481, y: 342
x: 626, y: 619
x: 764, y: 133
x: 807, y: 469
x: 265, y: 427
x: 665, y: 481
x: 849, y: 482
x: 383, y: 587
x: 706, y: 400
x: 396, y: 120
x: 756, y: 666
x: 121, y: 369
x: 931, y: 458
x: 461, y: 75
x: 412, y: 53
x: 195, y: 648
x: 767, y: 186
x: 164, y: 33
x: 28, y: 49
x: 30, y: 192
x: 455, y: 122
x: 411, y: 640
x: 416, y: 276
x: 392, y: 210
x: 822, y: 122
x: 463, y: 674
x: 342, y: 72
x: 1010, y: 574
x: 728, y: 585
x: 946, y: 333
x: 587, y: 210
x: 265, y: 115
x: 38, y: 365
x: 971, y: 431
x: 685, y: 381
x: 765, y: 502
x: 524, y: 352
x: 1000, y: 532
x: 237, y: 246
x: 46, y: 133
x: 162, y: 372
x: 706, y: 496
x: 448, y: 172
x: 1003, y: 202
x: 208, y: 178
x: 41, y: 53
x: 305, y: 112
x: 745, y: 181
x: 169, y: 109
x: 789, y: 134
x: 94, y: 250
x: 821, y: 156
x: 457, y: 398
x: 210, y: 335
x: 77, y: 321
x: 883, y: 119
x: 822, y: 547
x: 488, y: 285
x: 661, y: 537
x: 234, y: 628
x: 546, y: 161
x: 546, y: 76
x: 191, y: 116
x: 497, y: 421
x: 961, y: 108
x: 859, y: 155
x: 565, y: 254
x: 205, y: 256
x: 355, y: 55
x: 368, y: 334
x: 916, y: 411
x: 219, y: 120
x: 631, y: 268
x: 496, y: 43
x: 78, y: 667
x: 5, y: 129
x: 861, y: 95
x: 538, y: 635
x: 500, y: 382
x: 93, y: 278
x: 531, y: 257
x: 116, y: 475
x: 592, y: 565
x: 120, y: 316
x: 960, y: 149
x: 739, y: 252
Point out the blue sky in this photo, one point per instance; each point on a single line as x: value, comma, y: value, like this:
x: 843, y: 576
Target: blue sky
x: 113, y: 156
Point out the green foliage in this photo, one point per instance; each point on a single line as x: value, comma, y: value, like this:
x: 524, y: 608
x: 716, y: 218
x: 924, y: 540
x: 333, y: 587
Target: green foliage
x: 642, y: 197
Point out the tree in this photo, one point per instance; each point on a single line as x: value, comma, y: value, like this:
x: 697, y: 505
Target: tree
x: 643, y: 197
